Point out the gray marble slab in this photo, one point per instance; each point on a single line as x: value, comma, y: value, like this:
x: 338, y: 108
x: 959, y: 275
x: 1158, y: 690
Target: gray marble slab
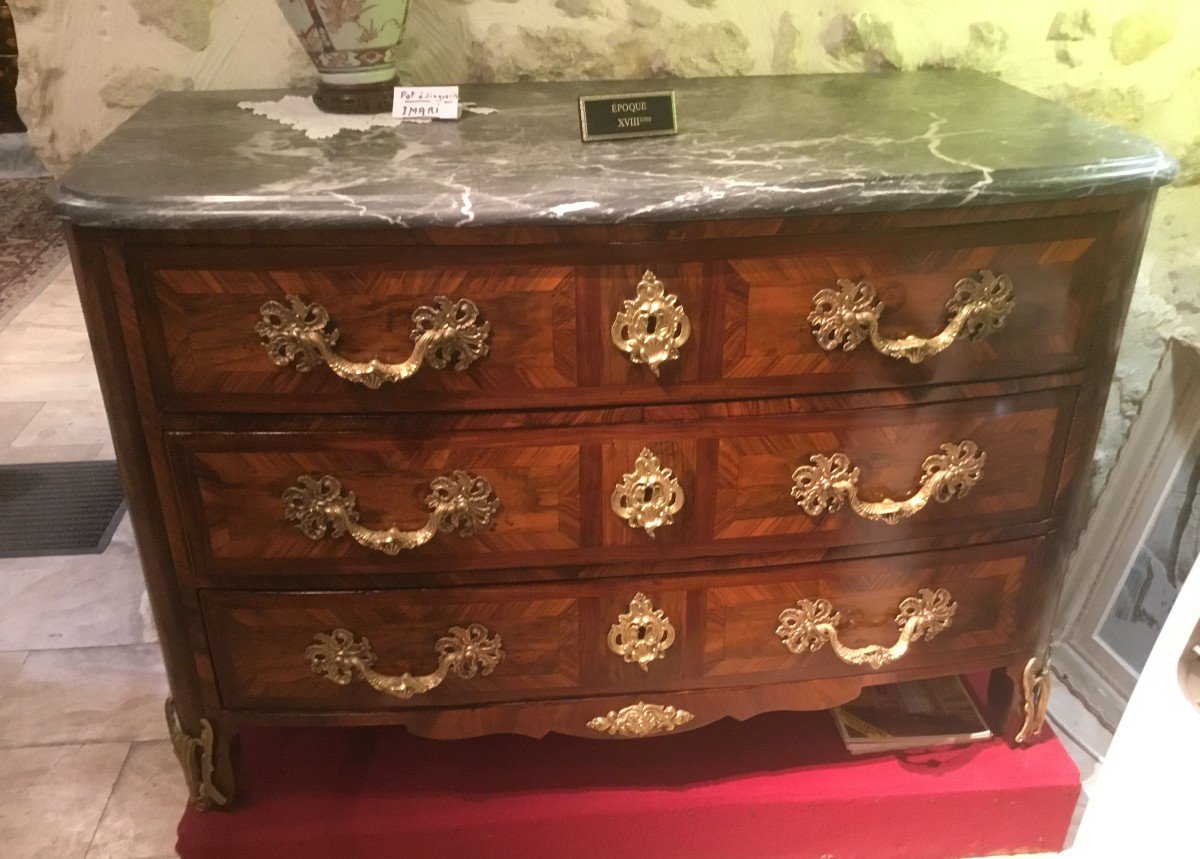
x: 748, y: 147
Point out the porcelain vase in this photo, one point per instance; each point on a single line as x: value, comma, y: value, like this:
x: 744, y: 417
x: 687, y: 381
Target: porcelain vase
x: 353, y: 44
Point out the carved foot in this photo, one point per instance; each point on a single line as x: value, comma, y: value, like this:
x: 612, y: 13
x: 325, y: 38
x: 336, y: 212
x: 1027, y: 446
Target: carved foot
x: 199, y: 761
x: 1035, y: 697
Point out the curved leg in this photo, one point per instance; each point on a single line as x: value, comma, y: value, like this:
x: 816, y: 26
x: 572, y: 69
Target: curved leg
x: 206, y: 758
x: 1017, y: 697
x: 1035, y: 697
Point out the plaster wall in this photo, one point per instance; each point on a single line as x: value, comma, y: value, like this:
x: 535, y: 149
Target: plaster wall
x: 86, y: 65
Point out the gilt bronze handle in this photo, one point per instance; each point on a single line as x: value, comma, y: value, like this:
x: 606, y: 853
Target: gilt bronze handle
x: 459, y: 501
x: 813, y: 623
x: 465, y: 651
x: 651, y: 327
x: 850, y: 314
x: 830, y: 481
x: 444, y: 333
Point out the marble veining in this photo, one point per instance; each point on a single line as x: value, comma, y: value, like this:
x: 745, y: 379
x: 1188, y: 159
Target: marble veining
x: 748, y: 147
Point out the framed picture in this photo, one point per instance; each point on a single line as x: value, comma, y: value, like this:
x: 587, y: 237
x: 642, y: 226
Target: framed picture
x: 1141, y: 541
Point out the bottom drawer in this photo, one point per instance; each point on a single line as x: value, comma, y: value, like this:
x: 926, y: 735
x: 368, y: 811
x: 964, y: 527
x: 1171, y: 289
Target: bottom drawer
x: 380, y: 650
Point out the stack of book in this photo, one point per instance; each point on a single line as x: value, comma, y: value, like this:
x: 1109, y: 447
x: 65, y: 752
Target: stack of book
x: 918, y: 715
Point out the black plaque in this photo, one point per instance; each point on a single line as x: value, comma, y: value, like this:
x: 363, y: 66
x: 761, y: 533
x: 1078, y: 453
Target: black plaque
x: 613, y: 117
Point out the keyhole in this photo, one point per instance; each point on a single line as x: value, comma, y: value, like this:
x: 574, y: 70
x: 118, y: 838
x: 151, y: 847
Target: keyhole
x: 641, y: 632
x: 651, y: 323
x: 648, y: 494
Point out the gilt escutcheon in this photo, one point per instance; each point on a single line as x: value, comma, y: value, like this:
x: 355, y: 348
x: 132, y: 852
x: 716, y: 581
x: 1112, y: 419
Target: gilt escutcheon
x: 649, y: 496
x: 651, y: 327
x: 642, y: 634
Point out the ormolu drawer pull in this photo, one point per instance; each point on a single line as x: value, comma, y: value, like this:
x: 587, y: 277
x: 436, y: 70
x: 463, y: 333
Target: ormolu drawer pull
x: 458, y: 501
x: 446, y: 332
x: 649, y: 496
x: 651, y: 327
x: 466, y: 652
x: 641, y: 720
x: 812, y: 623
x: 849, y: 314
x: 830, y: 481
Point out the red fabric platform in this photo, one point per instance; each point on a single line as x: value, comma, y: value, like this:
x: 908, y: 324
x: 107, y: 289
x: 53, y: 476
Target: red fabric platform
x: 779, y: 785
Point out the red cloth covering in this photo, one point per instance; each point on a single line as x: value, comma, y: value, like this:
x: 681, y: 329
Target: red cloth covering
x: 779, y: 785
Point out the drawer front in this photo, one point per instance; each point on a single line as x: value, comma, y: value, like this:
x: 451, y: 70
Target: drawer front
x: 244, y: 516
x: 261, y: 645
x: 325, y: 503
x: 985, y: 586
x: 295, y: 330
x: 285, y: 651
x: 208, y: 321
x: 1017, y: 444
x: 1047, y: 320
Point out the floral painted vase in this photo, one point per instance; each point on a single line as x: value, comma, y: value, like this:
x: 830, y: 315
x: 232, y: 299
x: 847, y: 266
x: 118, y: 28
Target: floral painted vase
x: 353, y: 44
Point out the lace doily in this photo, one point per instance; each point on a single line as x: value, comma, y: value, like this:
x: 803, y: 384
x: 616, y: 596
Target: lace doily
x: 301, y: 113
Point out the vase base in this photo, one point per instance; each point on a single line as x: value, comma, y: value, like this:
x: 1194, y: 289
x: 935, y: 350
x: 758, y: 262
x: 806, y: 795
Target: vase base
x: 356, y: 98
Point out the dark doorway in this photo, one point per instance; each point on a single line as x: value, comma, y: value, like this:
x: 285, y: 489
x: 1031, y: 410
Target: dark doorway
x: 9, y: 121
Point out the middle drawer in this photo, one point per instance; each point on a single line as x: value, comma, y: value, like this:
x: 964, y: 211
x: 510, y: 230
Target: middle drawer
x: 394, y: 501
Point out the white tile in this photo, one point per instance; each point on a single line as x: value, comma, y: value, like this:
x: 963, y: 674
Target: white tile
x: 10, y: 664
x: 52, y: 797
x: 51, y: 453
x: 57, y: 304
x: 32, y: 382
x: 43, y: 344
x: 99, y: 694
x: 122, y: 538
x: 145, y: 806
x: 66, y: 422
x: 29, y: 342
x: 73, y: 601
x: 149, y: 630
x: 65, y: 314
x: 14, y: 417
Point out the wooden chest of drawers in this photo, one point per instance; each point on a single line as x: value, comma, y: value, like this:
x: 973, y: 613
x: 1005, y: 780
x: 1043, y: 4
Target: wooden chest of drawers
x: 612, y: 468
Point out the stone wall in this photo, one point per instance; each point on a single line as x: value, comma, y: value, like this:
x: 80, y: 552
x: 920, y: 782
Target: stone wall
x: 87, y: 64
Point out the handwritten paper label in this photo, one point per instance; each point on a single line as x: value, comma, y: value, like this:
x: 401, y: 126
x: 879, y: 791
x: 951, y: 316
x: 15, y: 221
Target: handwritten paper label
x: 426, y: 102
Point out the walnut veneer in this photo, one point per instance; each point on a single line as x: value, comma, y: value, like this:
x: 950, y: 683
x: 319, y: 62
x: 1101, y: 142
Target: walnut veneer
x: 211, y: 434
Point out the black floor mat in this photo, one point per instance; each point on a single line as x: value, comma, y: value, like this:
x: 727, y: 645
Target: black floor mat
x: 58, y: 508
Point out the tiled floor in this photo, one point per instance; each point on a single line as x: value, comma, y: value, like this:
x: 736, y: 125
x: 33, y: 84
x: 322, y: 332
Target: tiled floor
x: 50, y: 406
x: 88, y: 771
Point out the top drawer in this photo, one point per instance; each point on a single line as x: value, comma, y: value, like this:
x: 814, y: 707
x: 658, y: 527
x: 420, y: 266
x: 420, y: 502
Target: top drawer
x: 295, y: 329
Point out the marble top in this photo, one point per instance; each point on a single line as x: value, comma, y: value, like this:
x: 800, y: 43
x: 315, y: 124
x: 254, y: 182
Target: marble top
x: 747, y: 147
